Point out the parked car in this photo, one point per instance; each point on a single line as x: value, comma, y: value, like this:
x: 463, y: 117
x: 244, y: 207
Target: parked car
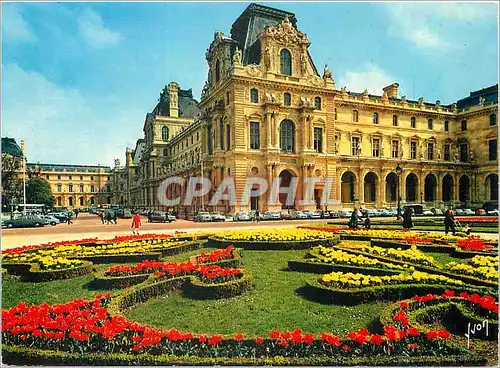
x: 385, y: 213
x: 480, y: 212
x: 287, y: 216
x: 494, y: 213
x: 217, y: 217
x: 428, y: 213
x: 437, y: 211
x: 313, y: 214
x: 276, y: 215
x: 124, y: 214
x: 61, y: 216
x: 203, y: 217
x: 345, y: 213
x: 490, y: 206
x: 371, y: 213
x: 468, y: 212
x: 50, y: 220
x: 459, y: 212
x: 161, y: 217
x: 25, y: 221
x: 299, y: 215
x: 241, y: 216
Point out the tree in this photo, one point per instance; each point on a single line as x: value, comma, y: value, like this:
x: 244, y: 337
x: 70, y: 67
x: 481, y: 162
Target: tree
x: 38, y: 192
x: 12, y: 185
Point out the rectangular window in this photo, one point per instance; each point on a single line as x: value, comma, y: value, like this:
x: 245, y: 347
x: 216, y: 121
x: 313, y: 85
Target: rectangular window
x: 81, y: 187
x: 493, y: 119
x: 221, y: 134
x: 430, y: 124
x: 464, y: 125
x: 70, y: 188
x: 430, y: 151
x: 254, y: 135
x: 318, y: 139
x: 447, y: 152
x: 492, y: 144
x: 394, y: 120
x: 47, y: 177
x: 376, y: 147
x: 446, y: 125
x: 413, y: 150
x: 395, y: 149
x: 355, y: 146
x: 209, y: 139
x: 375, y: 118
x: 59, y: 188
x: 464, y: 148
x: 91, y: 178
x: 81, y: 177
x: 413, y: 122
x: 70, y: 177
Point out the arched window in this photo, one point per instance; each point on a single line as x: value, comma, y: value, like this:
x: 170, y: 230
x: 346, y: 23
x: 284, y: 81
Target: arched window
x: 254, y: 95
x: 287, y: 136
x: 164, y: 133
x: 317, y: 103
x: 285, y: 62
x: 355, y: 116
x: 375, y: 118
x: 287, y: 99
x: 217, y: 71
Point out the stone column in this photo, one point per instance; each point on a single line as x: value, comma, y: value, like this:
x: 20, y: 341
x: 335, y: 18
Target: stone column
x: 276, y: 130
x: 361, y: 187
x: 380, y: 193
x: 269, y: 131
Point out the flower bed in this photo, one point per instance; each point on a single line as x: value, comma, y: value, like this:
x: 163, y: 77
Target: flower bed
x: 479, y: 266
x: 86, y: 328
x: 273, y: 239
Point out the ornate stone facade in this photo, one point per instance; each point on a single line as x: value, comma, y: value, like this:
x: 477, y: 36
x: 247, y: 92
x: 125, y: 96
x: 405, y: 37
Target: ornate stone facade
x: 266, y: 112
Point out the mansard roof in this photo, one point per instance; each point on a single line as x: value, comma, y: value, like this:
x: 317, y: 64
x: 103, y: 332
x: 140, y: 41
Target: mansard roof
x: 188, y: 106
x: 10, y: 146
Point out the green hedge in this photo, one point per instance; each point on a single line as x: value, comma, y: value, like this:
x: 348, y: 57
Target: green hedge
x: 16, y: 355
x: 467, y: 279
x: 196, y: 289
x: 274, y: 245
x: 322, y: 268
x: 32, y: 272
x: 383, y: 292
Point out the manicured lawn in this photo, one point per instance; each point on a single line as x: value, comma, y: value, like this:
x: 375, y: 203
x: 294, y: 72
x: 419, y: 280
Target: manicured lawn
x: 272, y: 304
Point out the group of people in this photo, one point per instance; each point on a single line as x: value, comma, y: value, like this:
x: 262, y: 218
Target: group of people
x: 449, y: 221
x: 108, y: 217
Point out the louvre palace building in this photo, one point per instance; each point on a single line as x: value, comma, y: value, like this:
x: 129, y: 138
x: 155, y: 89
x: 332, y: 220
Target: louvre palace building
x: 267, y: 110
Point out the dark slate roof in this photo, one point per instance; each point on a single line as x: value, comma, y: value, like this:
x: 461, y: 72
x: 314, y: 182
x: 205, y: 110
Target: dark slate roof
x: 10, y: 146
x: 69, y: 168
x: 254, y: 19
x: 188, y: 106
x: 490, y: 95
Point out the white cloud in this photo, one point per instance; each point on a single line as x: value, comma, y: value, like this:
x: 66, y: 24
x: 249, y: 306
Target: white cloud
x: 93, y: 30
x: 372, y: 78
x: 14, y: 26
x: 62, y: 125
x: 432, y: 27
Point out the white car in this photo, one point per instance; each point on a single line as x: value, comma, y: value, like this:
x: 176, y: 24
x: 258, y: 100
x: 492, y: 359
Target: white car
x: 50, y: 220
x: 275, y: 215
x: 385, y: 213
x: 241, y: 216
x: 299, y: 215
x: 468, y: 212
x: 345, y: 213
x: 216, y: 217
x: 203, y: 217
x: 494, y: 212
x: 438, y: 212
x: 459, y: 212
x: 372, y: 213
x: 427, y: 213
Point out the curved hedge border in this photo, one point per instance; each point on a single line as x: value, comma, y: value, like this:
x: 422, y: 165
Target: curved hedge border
x: 32, y: 272
x: 467, y: 279
x: 272, y: 245
x: 305, y: 265
x: 383, y: 292
x: 16, y: 355
x: 454, y: 251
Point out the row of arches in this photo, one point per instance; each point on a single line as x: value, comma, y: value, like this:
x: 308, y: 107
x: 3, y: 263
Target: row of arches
x: 412, y: 193
x: 80, y: 201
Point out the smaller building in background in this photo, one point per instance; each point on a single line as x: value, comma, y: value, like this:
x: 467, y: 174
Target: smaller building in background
x: 75, y: 186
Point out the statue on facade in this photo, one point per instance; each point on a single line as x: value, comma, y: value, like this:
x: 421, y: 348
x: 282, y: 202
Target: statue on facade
x: 343, y: 90
x: 421, y: 154
x: 326, y: 73
x: 481, y: 100
x: 237, y: 56
x: 472, y: 156
x: 385, y: 96
x: 303, y: 61
x: 439, y: 154
x: 381, y: 150
x: 267, y: 57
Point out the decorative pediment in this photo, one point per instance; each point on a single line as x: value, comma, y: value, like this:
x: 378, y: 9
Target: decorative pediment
x: 286, y: 33
x: 254, y: 117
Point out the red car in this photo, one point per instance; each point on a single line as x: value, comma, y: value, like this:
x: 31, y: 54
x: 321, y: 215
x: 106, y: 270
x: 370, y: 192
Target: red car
x: 480, y: 212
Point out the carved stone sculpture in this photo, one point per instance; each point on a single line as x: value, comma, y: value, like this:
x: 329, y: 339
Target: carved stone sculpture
x: 303, y: 61
x: 237, y: 56
x: 326, y: 73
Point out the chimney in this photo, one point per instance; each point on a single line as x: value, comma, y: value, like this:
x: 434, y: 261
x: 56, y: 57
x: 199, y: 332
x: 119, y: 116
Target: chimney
x: 391, y: 90
x: 173, y: 92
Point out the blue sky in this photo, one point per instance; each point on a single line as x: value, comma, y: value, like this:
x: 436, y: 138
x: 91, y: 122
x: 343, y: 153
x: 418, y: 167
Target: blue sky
x: 79, y: 78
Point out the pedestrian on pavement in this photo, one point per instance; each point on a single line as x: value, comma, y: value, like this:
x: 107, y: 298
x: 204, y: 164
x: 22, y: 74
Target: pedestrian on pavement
x: 449, y: 221
x: 115, y: 217
x: 101, y: 215
x: 108, y: 217
x: 69, y: 219
x: 136, y: 223
x: 407, y: 221
x: 76, y: 213
x: 257, y: 216
x: 368, y: 222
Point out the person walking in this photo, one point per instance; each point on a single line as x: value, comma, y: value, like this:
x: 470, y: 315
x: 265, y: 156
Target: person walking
x: 69, y: 219
x: 136, y: 223
x: 368, y: 222
x: 353, y: 222
x: 407, y: 220
x: 257, y: 216
x: 115, y: 217
x: 108, y: 217
x: 449, y: 221
x: 101, y: 215
x: 76, y: 213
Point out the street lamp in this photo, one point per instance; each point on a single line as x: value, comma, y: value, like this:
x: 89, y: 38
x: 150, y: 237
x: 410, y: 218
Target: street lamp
x: 399, y: 170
